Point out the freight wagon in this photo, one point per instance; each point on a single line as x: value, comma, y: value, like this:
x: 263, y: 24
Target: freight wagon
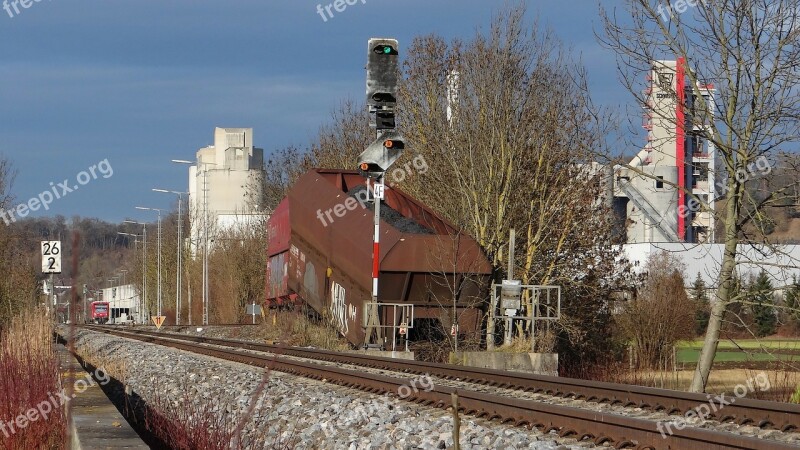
x: 320, y: 254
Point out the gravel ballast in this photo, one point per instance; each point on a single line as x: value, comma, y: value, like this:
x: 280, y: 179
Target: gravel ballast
x: 291, y: 411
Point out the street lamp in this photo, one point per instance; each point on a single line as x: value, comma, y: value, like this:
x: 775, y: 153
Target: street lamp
x: 180, y: 253
x: 205, y: 233
x: 143, y: 299
x: 158, y: 264
x: 144, y: 266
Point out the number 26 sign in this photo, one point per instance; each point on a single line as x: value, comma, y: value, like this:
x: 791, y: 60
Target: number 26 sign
x: 51, y: 256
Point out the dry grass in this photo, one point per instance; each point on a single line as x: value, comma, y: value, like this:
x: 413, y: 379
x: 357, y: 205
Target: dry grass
x: 782, y: 383
x: 112, y: 365
x: 29, y: 374
x: 518, y: 345
x: 295, y: 328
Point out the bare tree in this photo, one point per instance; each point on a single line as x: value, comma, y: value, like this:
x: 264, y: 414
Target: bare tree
x: 507, y: 128
x: 339, y: 143
x: 281, y: 169
x: 238, y: 260
x: 18, y: 286
x: 749, y: 50
x: 661, y: 313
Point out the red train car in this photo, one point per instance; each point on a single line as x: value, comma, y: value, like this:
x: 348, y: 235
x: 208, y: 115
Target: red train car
x: 320, y: 253
x: 99, y: 312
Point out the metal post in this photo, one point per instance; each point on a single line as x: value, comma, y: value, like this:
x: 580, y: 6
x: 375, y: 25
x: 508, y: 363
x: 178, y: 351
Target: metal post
x: 376, y: 256
x: 490, y: 323
x: 376, y: 245
x: 511, y: 241
x: 158, y: 308
x: 178, y: 270
x: 456, y: 421
x: 143, y: 301
x: 205, y: 245
x: 180, y: 258
x: 189, y: 292
x: 53, y: 293
x: 85, y: 304
x: 510, y: 321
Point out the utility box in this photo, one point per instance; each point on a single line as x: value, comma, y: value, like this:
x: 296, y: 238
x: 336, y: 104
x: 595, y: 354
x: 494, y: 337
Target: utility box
x: 511, y: 294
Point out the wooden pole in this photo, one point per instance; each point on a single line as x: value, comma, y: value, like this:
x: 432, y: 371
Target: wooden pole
x: 456, y: 421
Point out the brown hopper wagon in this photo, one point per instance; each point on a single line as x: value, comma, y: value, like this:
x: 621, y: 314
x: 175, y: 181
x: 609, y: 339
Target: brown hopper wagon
x: 320, y: 254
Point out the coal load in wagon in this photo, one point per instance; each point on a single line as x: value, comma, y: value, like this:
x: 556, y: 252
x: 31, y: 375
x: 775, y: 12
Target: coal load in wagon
x: 391, y: 216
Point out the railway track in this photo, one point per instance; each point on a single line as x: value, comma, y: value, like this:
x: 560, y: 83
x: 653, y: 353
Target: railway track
x: 617, y: 430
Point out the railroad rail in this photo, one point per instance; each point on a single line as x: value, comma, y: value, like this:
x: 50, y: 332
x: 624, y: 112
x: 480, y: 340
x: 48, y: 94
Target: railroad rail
x: 784, y: 417
x: 619, y: 431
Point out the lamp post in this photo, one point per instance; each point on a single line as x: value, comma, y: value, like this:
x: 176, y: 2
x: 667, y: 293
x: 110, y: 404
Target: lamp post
x: 143, y: 299
x: 158, y: 263
x: 144, y: 267
x: 178, y: 289
x: 205, y: 233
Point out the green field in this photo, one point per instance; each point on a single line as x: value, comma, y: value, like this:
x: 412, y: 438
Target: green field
x: 742, y: 350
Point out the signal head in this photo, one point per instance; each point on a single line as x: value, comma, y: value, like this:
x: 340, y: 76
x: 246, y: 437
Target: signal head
x: 382, y: 70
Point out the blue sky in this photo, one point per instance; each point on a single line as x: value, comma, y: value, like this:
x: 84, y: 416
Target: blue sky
x: 142, y: 82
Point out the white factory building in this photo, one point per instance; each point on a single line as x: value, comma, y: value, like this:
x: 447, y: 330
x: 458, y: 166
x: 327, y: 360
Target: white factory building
x: 224, y: 184
x: 651, y: 194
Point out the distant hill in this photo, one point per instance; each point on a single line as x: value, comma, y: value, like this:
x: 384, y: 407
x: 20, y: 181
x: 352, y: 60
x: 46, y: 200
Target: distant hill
x: 100, y: 251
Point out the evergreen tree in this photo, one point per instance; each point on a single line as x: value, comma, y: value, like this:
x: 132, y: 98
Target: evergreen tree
x: 792, y: 301
x: 702, y: 306
x: 761, y: 295
x: 736, y: 317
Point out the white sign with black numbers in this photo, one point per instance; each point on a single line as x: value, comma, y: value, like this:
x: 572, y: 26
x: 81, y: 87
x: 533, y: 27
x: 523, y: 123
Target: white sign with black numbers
x: 378, y: 190
x: 51, y: 256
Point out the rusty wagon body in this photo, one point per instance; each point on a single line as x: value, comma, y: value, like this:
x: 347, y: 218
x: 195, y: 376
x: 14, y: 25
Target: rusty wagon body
x: 320, y: 254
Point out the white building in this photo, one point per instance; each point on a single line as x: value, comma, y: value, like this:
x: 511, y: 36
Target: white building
x: 124, y: 299
x: 651, y: 194
x: 780, y: 264
x: 224, y: 184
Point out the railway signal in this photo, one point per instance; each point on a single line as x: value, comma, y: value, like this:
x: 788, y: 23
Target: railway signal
x: 381, y: 154
x: 375, y: 160
x: 382, y: 74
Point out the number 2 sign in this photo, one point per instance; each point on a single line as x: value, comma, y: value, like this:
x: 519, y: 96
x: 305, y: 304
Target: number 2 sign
x: 51, y: 256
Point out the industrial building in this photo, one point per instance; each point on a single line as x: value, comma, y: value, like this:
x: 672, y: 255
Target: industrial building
x: 223, y: 191
x: 651, y: 194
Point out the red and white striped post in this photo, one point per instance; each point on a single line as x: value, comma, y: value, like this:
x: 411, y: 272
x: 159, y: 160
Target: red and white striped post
x: 377, y: 193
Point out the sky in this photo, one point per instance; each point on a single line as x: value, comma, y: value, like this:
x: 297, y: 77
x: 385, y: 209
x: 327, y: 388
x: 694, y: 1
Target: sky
x: 126, y: 86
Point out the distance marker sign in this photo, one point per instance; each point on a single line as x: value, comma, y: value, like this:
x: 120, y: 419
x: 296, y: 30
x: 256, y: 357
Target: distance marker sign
x: 51, y: 256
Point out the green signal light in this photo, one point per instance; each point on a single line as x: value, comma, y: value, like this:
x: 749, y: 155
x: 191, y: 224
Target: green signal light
x: 385, y: 50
